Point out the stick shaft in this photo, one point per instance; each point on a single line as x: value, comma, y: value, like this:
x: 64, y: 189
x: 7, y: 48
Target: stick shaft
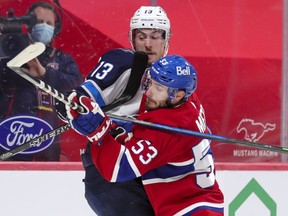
x: 139, y: 65
x: 166, y: 128
x: 201, y: 135
x: 35, y: 142
x: 15, y: 66
x: 61, y: 97
x: 47, y: 88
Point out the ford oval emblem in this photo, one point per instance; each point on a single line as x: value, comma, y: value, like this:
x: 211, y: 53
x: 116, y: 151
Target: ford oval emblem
x: 18, y: 130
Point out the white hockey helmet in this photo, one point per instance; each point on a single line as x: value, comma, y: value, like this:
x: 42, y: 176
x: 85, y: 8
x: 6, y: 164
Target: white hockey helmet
x: 150, y: 17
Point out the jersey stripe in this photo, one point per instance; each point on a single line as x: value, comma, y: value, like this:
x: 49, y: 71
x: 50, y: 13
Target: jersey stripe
x: 93, y: 90
x: 117, y: 165
x: 173, y: 178
x: 124, y: 168
x: 203, y: 205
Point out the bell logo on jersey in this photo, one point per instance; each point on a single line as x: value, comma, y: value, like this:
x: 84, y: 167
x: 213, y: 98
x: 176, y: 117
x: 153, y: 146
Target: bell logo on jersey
x: 184, y: 71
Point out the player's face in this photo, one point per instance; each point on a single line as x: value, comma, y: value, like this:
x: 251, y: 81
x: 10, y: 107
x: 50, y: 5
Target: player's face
x: 157, y: 96
x: 150, y: 41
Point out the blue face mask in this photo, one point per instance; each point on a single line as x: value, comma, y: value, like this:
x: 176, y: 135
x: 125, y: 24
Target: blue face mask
x: 42, y: 32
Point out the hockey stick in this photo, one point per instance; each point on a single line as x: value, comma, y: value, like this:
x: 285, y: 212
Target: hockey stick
x: 26, y: 55
x: 62, y: 129
x: 176, y: 130
x: 140, y: 61
x: 200, y: 135
x: 35, y: 142
x: 32, y: 51
x: 29, y: 53
x: 139, y: 65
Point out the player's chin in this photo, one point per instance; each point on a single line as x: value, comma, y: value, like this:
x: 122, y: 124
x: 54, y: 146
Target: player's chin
x: 151, y: 105
x: 152, y: 58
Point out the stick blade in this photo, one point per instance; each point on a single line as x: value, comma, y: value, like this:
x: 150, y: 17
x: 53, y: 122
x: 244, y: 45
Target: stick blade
x: 139, y: 65
x: 26, y: 55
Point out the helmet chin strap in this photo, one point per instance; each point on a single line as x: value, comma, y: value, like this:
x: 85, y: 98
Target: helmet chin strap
x: 166, y: 48
x: 172, y: 94
x: 170, y: 105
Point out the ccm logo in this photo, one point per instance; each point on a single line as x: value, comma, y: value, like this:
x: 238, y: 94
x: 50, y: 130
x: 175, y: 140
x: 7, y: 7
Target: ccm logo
x: 184, y: 71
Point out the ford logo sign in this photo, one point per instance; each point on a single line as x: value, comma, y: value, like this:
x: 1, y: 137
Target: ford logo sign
x: 18, y: 130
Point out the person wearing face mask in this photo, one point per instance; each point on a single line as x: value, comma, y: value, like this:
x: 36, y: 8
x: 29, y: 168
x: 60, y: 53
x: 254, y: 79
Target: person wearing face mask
x: 42, y: 32
x: 22, y: 103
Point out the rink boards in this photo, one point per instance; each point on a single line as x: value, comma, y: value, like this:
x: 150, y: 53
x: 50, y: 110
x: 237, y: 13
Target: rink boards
x: 57, y: 189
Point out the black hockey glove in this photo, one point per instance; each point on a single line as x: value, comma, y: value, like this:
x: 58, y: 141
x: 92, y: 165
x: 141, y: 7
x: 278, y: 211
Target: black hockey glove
x: 120, y: 134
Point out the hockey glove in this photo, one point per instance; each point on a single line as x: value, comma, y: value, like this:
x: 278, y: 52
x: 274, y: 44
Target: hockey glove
x: 61, y: 111
x: 120, y: 134
x: 92, y: 123
x: 126, y: 125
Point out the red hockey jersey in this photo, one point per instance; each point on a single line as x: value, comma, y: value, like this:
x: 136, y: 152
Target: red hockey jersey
x: 177, y: 170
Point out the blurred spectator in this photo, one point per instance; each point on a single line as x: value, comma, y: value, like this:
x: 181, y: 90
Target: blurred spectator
x: 19, y: 97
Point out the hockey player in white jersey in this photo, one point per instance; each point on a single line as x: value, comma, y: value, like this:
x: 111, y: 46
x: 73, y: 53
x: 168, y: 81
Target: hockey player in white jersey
x: 149, y: 33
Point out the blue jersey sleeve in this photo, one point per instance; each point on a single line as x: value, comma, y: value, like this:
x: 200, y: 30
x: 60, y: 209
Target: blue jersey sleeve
x: 108, y: 79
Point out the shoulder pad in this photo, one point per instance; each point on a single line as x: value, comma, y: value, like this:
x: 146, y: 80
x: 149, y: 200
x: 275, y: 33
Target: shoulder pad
x: 119, y: 51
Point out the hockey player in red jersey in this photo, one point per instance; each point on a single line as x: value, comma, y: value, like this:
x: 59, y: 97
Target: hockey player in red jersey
x: 150, y: 33
x: 177, y: 171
